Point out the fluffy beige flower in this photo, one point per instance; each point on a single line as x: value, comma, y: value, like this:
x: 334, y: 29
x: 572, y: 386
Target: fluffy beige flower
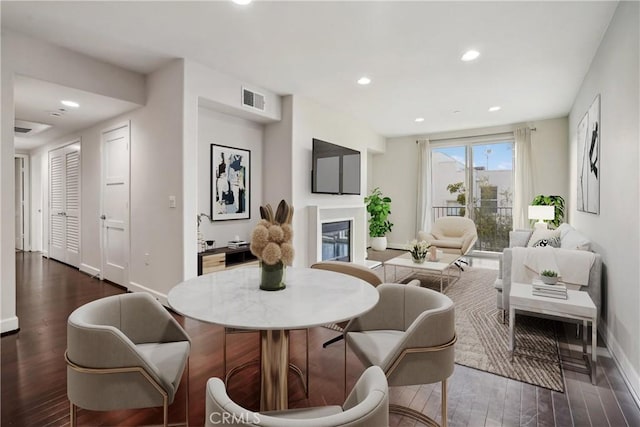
x: 259, y: 239
x: 276, y: 234
x: 287, y: 253
x: 288, y: 232
x: 271, y: 253
x: 264, y: 223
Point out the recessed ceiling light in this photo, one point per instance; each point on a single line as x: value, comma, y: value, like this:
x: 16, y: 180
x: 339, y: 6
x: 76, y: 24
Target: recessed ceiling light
x: 419, y: 119
x: 470, y: 55
x: 364, y: 80
x: 71, y: 104
x: 495, y: 108
x: 242, y: 2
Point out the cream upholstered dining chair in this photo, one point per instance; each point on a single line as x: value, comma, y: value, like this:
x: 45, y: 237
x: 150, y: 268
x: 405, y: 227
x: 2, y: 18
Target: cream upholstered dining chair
x: 356, y: 270
x: 410, y: 334
x: 452, y: 234
x: 123, y: 352
x: 366, y: 406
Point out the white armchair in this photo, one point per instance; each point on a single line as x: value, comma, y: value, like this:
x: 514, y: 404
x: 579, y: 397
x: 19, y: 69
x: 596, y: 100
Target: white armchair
x: 452, y: 234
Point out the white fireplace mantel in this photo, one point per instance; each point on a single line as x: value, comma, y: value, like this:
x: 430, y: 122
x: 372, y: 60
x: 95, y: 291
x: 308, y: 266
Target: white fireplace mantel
x: 322, y: 214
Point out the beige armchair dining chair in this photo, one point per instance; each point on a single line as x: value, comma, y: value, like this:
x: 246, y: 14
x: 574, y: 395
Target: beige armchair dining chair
x: 366, y: 406
x: 410, y: 334
x: 452, y: 234
x: 123, y: 352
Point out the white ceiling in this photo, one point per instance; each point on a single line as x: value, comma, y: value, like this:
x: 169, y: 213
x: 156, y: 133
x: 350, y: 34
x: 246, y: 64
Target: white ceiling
x: 534, y: 55
x: 36, y: 99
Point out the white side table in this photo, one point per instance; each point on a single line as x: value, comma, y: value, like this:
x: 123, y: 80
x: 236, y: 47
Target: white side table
x: 577, y: 306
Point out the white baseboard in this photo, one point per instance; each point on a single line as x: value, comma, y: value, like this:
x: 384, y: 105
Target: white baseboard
x: 91, y: 271
x: 629, y: 374
x: 162, y: 298
x: 9, y: 324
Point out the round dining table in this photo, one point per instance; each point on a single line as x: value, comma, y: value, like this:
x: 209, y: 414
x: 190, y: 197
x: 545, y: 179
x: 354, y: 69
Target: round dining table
x: 233, y: 299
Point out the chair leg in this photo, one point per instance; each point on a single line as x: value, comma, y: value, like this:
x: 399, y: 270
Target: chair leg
x: 73, y: 412
x: 444, y: 403
x: 186, y: 411
x: 165, y: 411
x: 307, y: 370
x: 332, y: 340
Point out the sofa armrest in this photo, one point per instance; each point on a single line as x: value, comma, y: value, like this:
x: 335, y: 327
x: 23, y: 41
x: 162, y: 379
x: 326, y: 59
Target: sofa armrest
x: 519, y: 238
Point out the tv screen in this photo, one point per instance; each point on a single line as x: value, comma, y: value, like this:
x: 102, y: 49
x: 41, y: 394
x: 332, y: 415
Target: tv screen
x: 336, y: 169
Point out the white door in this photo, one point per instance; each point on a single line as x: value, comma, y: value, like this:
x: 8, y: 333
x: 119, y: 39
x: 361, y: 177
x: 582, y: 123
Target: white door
x: 115, y: 205
x: 64, y: 204
x: 19, y: 202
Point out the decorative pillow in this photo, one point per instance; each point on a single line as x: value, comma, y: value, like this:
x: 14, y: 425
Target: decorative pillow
x: 542, y: 237
x: 574, y: 240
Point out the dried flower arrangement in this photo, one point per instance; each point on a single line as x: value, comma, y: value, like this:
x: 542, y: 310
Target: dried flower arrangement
x: 419, y: 249
x: 271, y: 238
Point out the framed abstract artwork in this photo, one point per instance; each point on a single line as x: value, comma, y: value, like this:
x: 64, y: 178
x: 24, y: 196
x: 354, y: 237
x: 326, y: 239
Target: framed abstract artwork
x: 230, y: 183
x: 588, y: 197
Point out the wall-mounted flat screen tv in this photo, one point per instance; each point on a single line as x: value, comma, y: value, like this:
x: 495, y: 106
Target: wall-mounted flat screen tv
x: 336, y: 169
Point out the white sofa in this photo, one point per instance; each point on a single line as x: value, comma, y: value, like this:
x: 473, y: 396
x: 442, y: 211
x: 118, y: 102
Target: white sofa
x: 570, y: 239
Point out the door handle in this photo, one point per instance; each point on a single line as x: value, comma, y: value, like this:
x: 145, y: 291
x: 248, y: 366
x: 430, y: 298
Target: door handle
x: 103, y: 216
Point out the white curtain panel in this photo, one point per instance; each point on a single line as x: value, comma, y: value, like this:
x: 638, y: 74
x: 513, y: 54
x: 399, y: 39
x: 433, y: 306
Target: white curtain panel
x: 523, y: 177
x: 423, y: 199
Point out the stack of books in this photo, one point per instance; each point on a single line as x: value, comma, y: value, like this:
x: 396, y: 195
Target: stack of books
x: 235, y: 244
x: 559, y: 290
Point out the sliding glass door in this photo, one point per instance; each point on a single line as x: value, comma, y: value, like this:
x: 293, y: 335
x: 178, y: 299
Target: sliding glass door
x: 475, y: 180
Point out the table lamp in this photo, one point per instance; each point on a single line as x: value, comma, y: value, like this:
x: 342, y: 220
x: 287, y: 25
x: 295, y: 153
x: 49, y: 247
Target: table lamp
x: 541, y: 213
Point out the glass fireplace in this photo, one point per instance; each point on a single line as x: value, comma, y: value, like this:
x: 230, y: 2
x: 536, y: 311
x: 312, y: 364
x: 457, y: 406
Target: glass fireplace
x: 336, y: 241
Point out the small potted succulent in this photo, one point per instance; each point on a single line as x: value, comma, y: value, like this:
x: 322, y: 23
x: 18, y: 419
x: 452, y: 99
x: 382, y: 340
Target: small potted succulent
x: 549, y: 277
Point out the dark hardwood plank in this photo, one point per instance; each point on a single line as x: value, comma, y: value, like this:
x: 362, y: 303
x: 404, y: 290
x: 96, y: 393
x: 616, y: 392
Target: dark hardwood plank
x: 33, y: 373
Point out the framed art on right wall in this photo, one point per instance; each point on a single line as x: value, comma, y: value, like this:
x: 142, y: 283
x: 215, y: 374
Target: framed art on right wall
x: 588, y: 197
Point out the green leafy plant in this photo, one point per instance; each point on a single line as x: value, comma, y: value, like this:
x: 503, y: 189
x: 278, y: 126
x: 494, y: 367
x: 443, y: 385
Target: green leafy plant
x: 549, y: 273
x: 379, y: 208
x: 557, y: 202
x: 461, y: 198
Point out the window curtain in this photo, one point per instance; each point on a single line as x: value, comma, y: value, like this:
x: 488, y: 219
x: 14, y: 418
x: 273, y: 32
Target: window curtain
x: 523, y: 178
x: 423, y: 199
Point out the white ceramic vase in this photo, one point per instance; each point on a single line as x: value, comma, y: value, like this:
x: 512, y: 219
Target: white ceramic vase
x: 379, y: 243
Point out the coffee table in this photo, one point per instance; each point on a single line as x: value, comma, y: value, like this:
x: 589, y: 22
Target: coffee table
x: 444, y: 263
x: 578, y: 306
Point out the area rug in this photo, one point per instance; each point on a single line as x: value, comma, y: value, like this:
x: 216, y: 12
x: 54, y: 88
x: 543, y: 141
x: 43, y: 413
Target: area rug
x: 483, y: 337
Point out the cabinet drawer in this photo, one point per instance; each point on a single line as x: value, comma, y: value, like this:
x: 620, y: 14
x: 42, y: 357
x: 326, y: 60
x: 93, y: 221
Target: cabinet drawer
x: 211, y: 263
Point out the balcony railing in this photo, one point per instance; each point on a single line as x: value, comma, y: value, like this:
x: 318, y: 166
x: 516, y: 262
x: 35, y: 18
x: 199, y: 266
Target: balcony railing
x: 493, y: 224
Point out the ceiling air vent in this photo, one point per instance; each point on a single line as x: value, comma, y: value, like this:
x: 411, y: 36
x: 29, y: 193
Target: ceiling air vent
x: 252, y: 99
x: 26, y: 128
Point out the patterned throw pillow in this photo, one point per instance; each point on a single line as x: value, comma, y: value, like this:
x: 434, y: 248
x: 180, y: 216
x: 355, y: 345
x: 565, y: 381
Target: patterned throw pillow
x: 542, y: 238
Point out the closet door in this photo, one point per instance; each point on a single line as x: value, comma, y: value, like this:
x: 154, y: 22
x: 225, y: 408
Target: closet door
x: 64, y: 204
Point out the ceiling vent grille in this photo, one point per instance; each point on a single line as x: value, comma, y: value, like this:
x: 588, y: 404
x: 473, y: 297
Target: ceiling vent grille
x: 252, y: 99
x: 26, y: 128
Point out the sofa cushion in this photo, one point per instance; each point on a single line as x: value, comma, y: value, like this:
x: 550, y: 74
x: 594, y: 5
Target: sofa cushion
x: 542, y: 237
x: 574, y: 240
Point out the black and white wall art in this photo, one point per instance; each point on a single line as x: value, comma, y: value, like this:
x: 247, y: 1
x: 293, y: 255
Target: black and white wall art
x: 230, y: 183
x: 588, y: 198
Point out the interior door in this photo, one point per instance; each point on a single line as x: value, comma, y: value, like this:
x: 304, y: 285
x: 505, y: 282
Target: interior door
x: 64, y: 204
x: 19, y: 202
x: 115, y: 204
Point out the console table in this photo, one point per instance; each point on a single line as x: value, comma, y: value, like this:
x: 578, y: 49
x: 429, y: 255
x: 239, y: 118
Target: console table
x: 219, y: 259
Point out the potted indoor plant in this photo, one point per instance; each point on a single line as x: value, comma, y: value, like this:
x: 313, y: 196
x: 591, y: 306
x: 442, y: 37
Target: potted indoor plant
x: 379, y: 208
x: 549, y: 277
x: 557, y: 202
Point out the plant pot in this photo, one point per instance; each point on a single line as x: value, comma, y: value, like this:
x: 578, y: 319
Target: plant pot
x: 272, y: 276
x: 418, y: 260
x: 379, y: 243
x: 549, y: 280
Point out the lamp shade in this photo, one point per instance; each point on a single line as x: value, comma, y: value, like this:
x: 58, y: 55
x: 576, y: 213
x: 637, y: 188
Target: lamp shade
x: 542, y: 212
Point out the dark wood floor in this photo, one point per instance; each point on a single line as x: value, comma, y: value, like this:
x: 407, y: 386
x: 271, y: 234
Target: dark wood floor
x: 33, y: 375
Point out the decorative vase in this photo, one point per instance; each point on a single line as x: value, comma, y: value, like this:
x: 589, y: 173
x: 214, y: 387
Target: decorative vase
x: 379, y: 243
x: 418, y: 259
x: 433, y: 253
x: 272, y: 276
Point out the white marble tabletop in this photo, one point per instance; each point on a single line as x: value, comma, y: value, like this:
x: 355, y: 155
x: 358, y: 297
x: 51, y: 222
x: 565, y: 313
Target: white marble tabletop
x: 313, y: 297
